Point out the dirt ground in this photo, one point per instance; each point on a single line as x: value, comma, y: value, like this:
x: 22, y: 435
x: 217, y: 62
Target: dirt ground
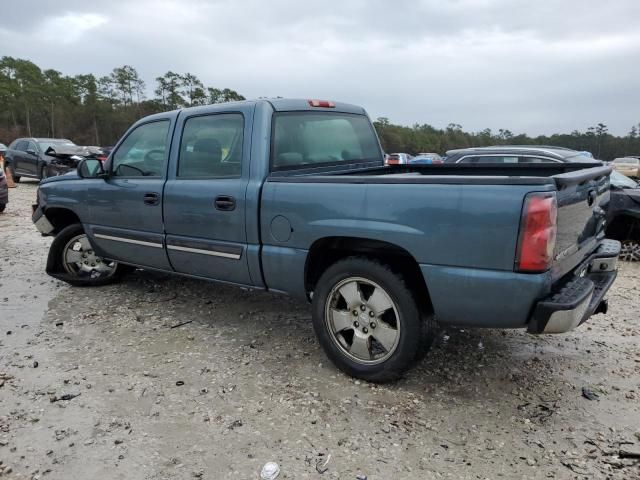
x: 245, y: 382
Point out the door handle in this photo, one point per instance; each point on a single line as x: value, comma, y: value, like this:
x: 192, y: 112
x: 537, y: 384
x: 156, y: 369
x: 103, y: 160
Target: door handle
x: 151, y: 198
x: 226, y: 203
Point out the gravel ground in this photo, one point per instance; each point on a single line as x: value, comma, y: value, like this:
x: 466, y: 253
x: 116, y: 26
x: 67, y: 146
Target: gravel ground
x: 245, y: 382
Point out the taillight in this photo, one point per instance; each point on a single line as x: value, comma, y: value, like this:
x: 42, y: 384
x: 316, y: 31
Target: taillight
x: 435, y: 160
x: 322, y: 103
x: 538, y: 229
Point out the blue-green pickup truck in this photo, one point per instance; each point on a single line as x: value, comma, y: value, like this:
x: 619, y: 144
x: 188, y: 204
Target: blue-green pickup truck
x: 293, y: 196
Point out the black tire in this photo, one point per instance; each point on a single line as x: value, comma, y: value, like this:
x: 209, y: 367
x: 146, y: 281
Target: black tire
x: 2, y: 207
x: 55, y: 262
x: 414, y: 326
x: 13, y: 173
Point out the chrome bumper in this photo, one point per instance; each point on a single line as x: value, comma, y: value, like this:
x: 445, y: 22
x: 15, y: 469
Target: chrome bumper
x: 578, y: 299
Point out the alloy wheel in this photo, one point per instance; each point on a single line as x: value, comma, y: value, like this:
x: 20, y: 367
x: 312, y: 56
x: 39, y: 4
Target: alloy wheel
x: 362, y: 320
x: 630, y: 251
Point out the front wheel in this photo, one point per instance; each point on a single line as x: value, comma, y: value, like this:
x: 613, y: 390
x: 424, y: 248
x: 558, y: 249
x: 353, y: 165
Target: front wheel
x: 367, y: 320
x: 73, y: 260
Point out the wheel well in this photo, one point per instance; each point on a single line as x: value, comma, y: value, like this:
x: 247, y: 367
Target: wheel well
x: 61, y: 218
x: 327, y: 251
x: 624, y: 227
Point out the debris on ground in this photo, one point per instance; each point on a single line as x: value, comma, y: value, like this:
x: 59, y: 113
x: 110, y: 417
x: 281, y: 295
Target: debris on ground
x: 270, y: 471
x: 589, y: 394
x: 66, y: 396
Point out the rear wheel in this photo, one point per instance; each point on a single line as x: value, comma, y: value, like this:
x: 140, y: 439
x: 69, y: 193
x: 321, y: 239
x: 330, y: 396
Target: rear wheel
x: 367, y: 320
x: 630, y: 251
x: 2, y: 207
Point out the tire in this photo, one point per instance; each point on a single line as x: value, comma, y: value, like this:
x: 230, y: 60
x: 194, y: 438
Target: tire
x: 2, y: 207
x: 90, y: 270
x: 16, y: 179
x: 368, y: 321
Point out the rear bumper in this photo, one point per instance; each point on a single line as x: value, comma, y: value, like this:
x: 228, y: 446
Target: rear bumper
x: 581, y: 296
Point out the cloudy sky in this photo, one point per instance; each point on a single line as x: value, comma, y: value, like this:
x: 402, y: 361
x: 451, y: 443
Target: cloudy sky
x: 534, y: 67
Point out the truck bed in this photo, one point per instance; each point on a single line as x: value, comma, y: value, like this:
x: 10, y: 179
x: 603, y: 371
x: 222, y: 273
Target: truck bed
x: 558, y: 174
x: 459, y: 222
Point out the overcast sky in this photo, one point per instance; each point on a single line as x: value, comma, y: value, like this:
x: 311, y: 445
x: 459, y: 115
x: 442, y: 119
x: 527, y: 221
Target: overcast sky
x: 531, y: 67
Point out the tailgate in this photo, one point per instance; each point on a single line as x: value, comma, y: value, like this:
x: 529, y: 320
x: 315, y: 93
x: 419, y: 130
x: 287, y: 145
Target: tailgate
x: 580, y: 216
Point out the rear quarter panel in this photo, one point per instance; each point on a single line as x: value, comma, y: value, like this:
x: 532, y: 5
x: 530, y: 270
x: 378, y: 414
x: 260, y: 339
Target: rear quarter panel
x: 454, y: 232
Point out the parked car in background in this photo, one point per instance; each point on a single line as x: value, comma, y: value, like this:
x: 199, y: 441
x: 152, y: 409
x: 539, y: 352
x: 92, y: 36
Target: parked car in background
x: 397, y: 158
x: 629, y: 166
x: 65, y: 158
x: 623, y: 215
x: 518, y: 154
x: 26, y: 157
x: 106, y: 151
x: 4, y: 190
x: 3, y: 149
x: 291, y: 196
x: 425, y: 159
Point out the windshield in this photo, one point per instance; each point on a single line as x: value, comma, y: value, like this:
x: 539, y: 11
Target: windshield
x: 622, y: 181
x: 305, y: 139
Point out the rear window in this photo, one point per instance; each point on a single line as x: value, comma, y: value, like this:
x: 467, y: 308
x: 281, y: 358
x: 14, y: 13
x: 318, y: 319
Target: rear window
x: 306, y: 139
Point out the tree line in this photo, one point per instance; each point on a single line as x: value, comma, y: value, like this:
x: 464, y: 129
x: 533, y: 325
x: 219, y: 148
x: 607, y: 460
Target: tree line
x: 93, y: 110
x: 425, y: 138
x: 87, y: 109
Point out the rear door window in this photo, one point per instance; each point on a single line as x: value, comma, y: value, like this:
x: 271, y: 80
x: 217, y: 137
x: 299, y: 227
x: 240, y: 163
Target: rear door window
x: 307, y: 139
x: 211, y: 146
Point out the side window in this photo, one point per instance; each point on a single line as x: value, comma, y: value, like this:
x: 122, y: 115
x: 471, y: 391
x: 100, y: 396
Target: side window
x: 21, y: 146
x: 211, y: 146
x: 489, y: 159
x: 535, y: 160
x: 31, y: 147
x: 144, y: 152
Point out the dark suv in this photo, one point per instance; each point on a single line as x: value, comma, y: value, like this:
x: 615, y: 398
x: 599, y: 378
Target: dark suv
x: 26, y: 157
x: 518, y: 154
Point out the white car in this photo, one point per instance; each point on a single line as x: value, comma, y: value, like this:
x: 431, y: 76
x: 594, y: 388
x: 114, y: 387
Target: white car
x: 629, y: 166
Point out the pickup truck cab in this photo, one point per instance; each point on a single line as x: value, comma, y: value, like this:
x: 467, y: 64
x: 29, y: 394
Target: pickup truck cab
x: 293, y: 196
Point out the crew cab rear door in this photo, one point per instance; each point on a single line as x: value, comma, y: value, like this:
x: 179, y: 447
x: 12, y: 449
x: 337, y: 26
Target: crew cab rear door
x: 204, y: 197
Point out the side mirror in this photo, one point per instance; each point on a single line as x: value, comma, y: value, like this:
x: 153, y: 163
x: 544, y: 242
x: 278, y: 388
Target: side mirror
x: 32, y: 152
x: 90, y: 168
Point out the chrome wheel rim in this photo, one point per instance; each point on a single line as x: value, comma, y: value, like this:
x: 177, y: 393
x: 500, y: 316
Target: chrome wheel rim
x: 630, y: 251
x: 362, y: 320
x: 80, y: 260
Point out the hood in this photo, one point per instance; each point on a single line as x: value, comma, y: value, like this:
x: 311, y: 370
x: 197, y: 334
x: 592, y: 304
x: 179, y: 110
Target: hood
x: 72, y: 175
